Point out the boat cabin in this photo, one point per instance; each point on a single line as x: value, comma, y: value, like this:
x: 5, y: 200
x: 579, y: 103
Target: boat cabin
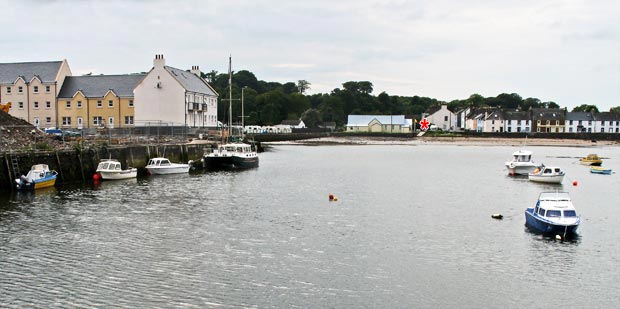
x: 109, y: 166
x: 555, y: 205
x: 159, y: 162
x: 522, y: 156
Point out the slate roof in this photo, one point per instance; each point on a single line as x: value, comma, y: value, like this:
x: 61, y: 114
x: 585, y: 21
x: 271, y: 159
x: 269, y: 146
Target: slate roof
x: 516, y: 115
x: 364, y: 120
x: 579, y: 116
x: 190, y: 81
x: 46, y: 71
x: 495, y: 115
x: 548, y: 114
x: 291, y: 122
x: 96, y: 86
x: 607, y: 116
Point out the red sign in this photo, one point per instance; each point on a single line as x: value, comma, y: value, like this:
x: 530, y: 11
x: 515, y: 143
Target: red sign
x: 424, y: 124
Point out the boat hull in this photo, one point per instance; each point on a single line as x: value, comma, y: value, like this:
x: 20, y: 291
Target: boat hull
x: 521, y: 169
x: 546, y: 179
x: 600, y: 171
x: 546, y: 227
x: 168, y: 170
x: 241, y: 162
x: 37, y: 184
x: 117, y: 175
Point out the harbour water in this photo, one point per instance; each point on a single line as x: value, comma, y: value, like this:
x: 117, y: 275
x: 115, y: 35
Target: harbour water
x: 412, y: 228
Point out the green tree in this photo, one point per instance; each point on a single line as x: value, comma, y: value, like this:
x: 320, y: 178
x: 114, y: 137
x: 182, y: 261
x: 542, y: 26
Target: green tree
x: 312, y: 118
x: 615, y: 110
x: 586, y: 108
x: 303, y: 86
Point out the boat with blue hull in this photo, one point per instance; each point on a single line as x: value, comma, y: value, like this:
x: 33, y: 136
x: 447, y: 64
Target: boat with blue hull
x: 39, y: 176
x: 600, y: 170
x: 554, y: 213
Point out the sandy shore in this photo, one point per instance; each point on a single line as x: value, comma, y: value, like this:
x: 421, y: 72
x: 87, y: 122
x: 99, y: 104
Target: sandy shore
x: 464, y: 141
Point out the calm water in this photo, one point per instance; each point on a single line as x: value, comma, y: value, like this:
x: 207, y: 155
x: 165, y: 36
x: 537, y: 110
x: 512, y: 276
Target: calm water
x: 412, y: 228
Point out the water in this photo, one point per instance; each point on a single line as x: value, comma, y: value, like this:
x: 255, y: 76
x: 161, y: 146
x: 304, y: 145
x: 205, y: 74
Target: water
x: 412, y: 227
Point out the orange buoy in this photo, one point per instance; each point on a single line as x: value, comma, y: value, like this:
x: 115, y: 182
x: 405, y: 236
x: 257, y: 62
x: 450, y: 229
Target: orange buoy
x: 96, y: 176
x: 575, y: 183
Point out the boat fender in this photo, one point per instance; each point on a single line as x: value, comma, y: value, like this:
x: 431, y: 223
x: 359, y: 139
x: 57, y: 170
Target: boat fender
x: 536, y: 171
x: 497, y: 216
x: 558, y: 237
x: 575, y: 183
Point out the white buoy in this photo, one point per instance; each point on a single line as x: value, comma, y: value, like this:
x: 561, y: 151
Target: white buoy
x: 558, y: 237
x: 497, y: 216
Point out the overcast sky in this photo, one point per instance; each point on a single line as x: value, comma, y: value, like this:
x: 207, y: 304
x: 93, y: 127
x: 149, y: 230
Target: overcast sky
x: 562, y: 51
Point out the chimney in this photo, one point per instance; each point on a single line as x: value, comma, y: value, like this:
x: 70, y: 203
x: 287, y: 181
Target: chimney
x: 195, y: 70
x: 159, y: 61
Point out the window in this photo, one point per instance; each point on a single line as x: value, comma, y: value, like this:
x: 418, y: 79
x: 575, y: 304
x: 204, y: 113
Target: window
x: 8, y: 90
x: 602, y: 130
x: 36, y: 104
x: 20, y: 105
x: 554, y: 213
x: 128, y: 119
x: 492, y: 121
x: 35, y: 89
x: 570, y: 213
x: 47, y: 88
x: 68, y: 105
x: 48, y: 104
x: 130, y: 103
x: 548, y: 122
x: 99, y: 104
x: 570, y: 122
x: 570, y: 130
x: 20, y: 89
x: 66, y: 121
x: 589, y: 122
x: 79, y: 104
x: 538, y: 122
x: 445, y: 118
x: 48, y: 120
x: 110, y: 103
x: 557, y: 122
x: 97, y: 120
x: 541, y: 212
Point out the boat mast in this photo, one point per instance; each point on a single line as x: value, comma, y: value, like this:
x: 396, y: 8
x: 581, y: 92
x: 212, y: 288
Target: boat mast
x: 230, y: 96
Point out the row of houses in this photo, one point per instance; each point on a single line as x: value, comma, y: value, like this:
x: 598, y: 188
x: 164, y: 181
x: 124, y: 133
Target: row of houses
x: 46, y: 94
x: 491, y: 120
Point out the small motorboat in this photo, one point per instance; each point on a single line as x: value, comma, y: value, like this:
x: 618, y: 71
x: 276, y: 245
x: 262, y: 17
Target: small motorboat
x: 235, y: 155
x: 600, y: 170
x: 162, y: 166
x: 110, y: 169
x: 547, y: 174
x: 521, y: 163
x: 591, y: 159
x: 39, y: 176
x: 554, y: 213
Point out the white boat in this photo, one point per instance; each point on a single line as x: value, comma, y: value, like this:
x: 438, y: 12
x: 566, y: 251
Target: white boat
x: 521, y: 163
x: 554, y: 213
x: 235, y: 155
x: 547, y: 174
x: 110, y: 169
x: 162, y: 166
x: 39, y: 176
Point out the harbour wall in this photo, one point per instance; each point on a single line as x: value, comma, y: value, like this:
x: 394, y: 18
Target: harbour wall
x: 79, y: 165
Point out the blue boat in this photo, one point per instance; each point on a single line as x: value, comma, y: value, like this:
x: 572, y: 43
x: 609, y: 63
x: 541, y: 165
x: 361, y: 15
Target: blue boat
x: 554, y: 213
x: 39, y: 176
x: 600, y: 170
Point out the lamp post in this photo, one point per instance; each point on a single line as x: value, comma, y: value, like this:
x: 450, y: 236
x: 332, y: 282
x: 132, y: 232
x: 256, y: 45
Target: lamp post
x: 242, y: 115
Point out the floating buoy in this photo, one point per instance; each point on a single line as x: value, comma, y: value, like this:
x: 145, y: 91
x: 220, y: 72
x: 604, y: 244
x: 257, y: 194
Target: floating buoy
x: 96, y: 176
x: 497, y: 216
x: 575, y: 183
x: 558, y: 237
x: 335, y: 199
x: 331, y: 197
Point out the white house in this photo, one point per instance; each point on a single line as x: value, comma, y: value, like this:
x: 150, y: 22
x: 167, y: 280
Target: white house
x: 379, y: 123
x: 174, y: 97
x: 494, y: 122
x: 442, y: 117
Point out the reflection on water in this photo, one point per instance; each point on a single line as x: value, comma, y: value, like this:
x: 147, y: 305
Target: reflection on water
x: 412, y: 227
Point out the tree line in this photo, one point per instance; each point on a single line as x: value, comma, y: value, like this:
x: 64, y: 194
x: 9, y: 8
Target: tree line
x: 269, y: 103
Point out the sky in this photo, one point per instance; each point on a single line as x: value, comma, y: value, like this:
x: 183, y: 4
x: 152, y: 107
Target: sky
x: 567, y: 52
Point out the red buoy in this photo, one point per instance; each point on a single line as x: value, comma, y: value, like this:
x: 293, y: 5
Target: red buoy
x: 96, y: 176
x: 331, y: 197
x: 575, y: 183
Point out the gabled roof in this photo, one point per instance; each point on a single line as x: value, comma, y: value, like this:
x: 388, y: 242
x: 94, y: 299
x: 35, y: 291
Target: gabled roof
x: 190, y: 81
x: 45, y: 71
x: 516, y: 115
x: 607, y: 116
x: 548, y: 113
x: 364, y: 120
x: 584, y: 116
x: 97, y: 86
x: 291, y: 122
x: 495, y: 115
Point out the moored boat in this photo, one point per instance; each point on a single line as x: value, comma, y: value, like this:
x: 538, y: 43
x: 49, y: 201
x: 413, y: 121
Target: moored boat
x: 162, y: 166
x: 591, y: 159
x: 110, y: 169
x: 39, y: 176
x: 521, y: 163
x: 600, y: 170
x: 547, y: 174
x: 554, y: 213
x: 233, y: 155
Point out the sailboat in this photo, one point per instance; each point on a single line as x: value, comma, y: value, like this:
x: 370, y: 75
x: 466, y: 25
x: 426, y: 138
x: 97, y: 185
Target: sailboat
x: 234, y: 153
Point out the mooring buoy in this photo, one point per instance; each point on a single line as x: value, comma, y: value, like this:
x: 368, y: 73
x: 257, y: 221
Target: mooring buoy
x: 497, y: 216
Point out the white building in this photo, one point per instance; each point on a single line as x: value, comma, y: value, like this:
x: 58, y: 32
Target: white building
x: 174, y: 97
x: 379, y: 123
x: 442, y: 117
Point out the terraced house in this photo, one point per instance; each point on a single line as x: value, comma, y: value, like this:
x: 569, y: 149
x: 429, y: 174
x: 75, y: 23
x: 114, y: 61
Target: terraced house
x: 98, y: 101
x: 32, y: 88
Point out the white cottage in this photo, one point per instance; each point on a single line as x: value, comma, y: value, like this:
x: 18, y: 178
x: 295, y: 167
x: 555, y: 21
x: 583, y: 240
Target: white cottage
x: 442, y: 117
x: 174, y: 97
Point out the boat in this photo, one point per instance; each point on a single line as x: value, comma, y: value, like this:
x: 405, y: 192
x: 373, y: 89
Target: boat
x: 234, y: 153
x: 521, y: 163
x: 162, y: 166
x: 110, y: 169
x: 600, y: 170
x: 591, y: 159
x: 547, y: 174
x: 554, y: 213
x: 39, y: 176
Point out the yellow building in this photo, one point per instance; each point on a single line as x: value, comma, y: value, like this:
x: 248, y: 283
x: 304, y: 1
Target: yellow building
x: 32, y: 87
x: 97, y: 101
